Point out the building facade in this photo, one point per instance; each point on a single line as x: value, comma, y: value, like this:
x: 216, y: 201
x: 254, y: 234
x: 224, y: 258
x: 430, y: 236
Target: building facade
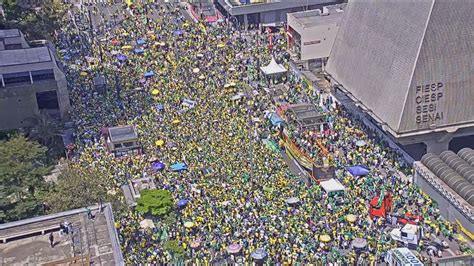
x: 267, y: 12
x: 409, y: 65
x: 30, y: 81
x: 311, y: 34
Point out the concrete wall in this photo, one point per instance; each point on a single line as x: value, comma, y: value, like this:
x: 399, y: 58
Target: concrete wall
x: 326, y: 34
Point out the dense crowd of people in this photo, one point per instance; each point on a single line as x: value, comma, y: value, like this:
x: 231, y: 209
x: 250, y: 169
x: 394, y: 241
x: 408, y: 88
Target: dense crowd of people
x: 153, y: 60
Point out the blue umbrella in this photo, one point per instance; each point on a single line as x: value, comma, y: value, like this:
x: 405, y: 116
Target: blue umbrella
x: 159, y: 107
x: 259, y: 254
x: 157, y: 166
x: 141, y: 41
x: 182, y: 203
x: 122, y: 57
x: 178, y: 32
x: 149, y: 74
x: 358, y: 170
x: 138, y: 51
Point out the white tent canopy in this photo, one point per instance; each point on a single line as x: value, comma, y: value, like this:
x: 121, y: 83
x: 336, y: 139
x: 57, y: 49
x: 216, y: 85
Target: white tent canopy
x: 332, y: 185
x: 273, y: 68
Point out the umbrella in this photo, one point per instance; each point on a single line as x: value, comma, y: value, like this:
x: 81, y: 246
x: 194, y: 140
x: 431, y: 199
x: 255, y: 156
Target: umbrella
x: 234, y: 248
x: 196, y: 70
x: 200, y: 55
x: 202, y: 77
x: 188, y: 224
x: 122, y: 57
x: 149, y: 74
x: 361, y: 143
x: 155, y: 92
x: 147, y: 223
x: 83, y: 74
x: 182, y: 203
x: 178, y: 32
x: 358, y: 170
x: 324, y: 238
x: 74, y: 67
x: 220, y: 45
x: 359, y: 243
x: 115, y: 42
x: 138, y: 89
x: 114, y: 52
x: 157, y: 166
x: 159, y: 107
x: 127, y: 47
x: 351, y: 218
x: 292, y: 200
x: 176, y: 121
x: 259, y: 254
x: 159, y: 142
x: 141, y: 41
x: 139, y: 51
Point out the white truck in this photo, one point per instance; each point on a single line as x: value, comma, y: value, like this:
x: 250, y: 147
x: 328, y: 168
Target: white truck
x: 402, y: 257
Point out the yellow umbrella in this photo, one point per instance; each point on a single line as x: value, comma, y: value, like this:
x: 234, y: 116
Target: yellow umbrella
x: 226, y: 86
x: 188, y: 224
x: 159, y: 142
x: 220, y: 45
x: 155, y: 92
x: 83, y: 74
x: 324, y: 238
x: 176, y: 121
x: 351, y: 218
x: 232, y: 84
x: 127, y: 47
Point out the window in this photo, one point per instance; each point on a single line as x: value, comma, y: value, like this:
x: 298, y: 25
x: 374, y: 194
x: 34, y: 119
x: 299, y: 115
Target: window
x: 47, y: 100
x: 46, y: 74
x: 312, y: 42
x: 16, y: 78
x: 13, y: 46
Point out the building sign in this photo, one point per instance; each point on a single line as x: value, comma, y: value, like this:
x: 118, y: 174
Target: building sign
x: 427, y: 99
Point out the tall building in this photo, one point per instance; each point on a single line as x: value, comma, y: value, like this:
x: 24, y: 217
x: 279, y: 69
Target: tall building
x: 311, y: 34
x: 30, y: 81
x: 410, y: 66
x: 267, y: 11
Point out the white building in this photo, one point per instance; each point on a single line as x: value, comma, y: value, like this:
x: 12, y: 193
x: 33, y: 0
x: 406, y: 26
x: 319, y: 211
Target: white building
x: 311, y: 34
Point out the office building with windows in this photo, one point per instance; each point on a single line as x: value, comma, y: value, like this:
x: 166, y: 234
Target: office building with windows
x: 31, y: 81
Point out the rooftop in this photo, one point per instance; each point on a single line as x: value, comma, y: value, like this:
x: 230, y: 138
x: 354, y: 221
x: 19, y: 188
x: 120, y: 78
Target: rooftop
x: 10, y: 33
x: 25, y: 56
x: 123, y: 133
x: 330, y: 15
x: 93, y: 241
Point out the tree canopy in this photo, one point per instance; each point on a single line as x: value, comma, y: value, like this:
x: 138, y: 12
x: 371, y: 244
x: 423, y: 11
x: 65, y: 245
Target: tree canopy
x: 22, y: 167
x: 156, y: 202
x: 78, y: 187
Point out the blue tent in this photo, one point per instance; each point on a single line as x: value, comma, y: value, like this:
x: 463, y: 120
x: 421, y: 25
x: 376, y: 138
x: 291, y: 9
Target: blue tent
x: 358, y: 170
x: 276, y: 119
x: 149, y: 74
x: 122, y: 57
x: 139, y: 51
x: 157, y: 166
x: 178, y: 167
x: 141, y: 41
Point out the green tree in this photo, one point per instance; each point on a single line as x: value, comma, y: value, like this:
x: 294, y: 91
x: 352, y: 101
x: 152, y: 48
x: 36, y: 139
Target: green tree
x: 173, y: 247
x: 22, y: 167
x: 157, y: 202
x: 79, y: 187
x: 37, y: 22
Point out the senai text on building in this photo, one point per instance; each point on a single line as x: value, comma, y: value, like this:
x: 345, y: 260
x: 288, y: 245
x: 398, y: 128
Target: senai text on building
x: 427, y: 100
